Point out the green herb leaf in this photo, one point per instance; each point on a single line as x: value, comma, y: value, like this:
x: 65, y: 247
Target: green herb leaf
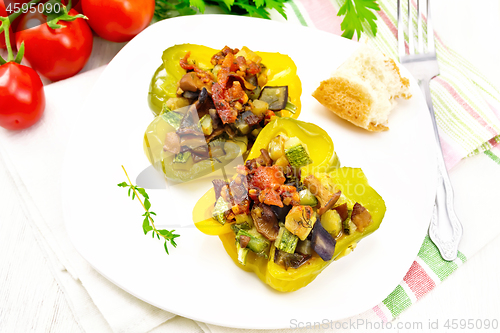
x: 355, y: 13
x: 142, y: 192
x: 146, y: 227
x: 148, y: 222
x: 56, y: 11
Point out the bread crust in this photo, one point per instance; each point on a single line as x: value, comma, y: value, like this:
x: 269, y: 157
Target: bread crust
x: 347, y: 100
x: 352, y: 101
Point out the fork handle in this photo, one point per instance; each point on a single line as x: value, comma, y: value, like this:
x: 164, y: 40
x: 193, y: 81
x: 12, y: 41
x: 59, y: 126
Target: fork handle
x: 445, y: 229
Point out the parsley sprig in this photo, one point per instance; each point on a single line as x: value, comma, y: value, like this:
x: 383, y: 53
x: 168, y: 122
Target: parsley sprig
x: 257, y: 8
x: 148, y: 223
x: 355, y: 13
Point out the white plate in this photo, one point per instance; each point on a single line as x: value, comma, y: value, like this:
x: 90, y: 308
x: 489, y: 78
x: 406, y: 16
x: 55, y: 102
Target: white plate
x: 198, y: 280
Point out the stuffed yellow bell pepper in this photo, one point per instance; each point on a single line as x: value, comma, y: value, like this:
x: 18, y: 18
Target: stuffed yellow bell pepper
x: 290, y: 211
x: 211, y: 104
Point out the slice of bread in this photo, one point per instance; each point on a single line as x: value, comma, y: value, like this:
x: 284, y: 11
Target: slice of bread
x: 364, y: 88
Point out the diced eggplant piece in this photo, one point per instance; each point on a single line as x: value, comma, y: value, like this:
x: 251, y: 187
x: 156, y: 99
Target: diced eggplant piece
x: 360, y: 217
x: 322, y: 242
x: 293, y: 260
x: 219, y: 184
x: 304, y: 247
x: 275, y: 97
x: 250, y: 118
x: 343, y: 211
x: 242, y: 126
x: 281, y: 212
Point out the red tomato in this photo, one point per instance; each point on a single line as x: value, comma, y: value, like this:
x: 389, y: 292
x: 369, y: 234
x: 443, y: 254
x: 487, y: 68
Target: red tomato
x: 55, y: 53
x: 118, y: 20
x: 22, y: 99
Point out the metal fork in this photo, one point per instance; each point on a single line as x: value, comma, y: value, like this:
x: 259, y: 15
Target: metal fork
x: 445, y: 229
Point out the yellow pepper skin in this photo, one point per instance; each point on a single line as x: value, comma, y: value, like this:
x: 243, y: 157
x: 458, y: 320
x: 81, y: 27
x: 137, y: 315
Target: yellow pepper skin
x: 354, y: 185
x: 351, y: 181
x: 321, y: 151
x: 281, y: 71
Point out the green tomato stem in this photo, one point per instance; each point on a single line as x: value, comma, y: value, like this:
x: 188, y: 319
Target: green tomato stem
x: 6, y: 26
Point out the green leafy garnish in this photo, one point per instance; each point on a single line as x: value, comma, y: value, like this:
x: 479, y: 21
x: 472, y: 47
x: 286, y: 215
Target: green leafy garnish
x: 258, y: 8
x: 148, y: 222
x: 56, y: 11
x: 355, y: 13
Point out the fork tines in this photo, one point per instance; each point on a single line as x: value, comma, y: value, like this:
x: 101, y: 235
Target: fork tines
x: 410, y: 27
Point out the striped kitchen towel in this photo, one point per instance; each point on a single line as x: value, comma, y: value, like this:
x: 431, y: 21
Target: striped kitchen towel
x: 466, y: 104
x: 467, y: 108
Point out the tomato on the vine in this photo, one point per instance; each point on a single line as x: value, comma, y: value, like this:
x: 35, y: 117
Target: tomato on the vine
x: 118, y: 20
x: 22, y: 99
x: 55, y: 53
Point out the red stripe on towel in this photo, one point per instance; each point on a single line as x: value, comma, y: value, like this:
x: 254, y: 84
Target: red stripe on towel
x: 418, y: 281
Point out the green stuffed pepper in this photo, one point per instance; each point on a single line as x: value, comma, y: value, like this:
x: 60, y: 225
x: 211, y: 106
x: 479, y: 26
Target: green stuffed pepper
x: 210, y: 105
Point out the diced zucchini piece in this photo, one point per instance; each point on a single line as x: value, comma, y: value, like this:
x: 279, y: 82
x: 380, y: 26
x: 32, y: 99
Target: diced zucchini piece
x: 349, y: 226
x: 296, y: 153
x: 244, y: 219
x: 242, y: 126
x: 173, y: 119
x: 259, y: 107
x: 286, y: 241
x: 221, y: 207
x: 257, y: 243
x: 242, y: 253
x: 307, y: 198
x: 182, y: 157
x: 239, y: 226
x: 206, y: 124
x: 332, y: 222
